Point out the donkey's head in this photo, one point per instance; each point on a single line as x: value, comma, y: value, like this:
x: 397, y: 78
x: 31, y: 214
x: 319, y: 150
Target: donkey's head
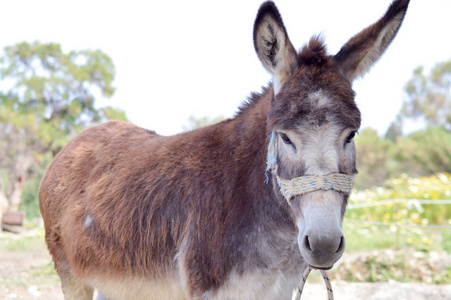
x: 312, y: 121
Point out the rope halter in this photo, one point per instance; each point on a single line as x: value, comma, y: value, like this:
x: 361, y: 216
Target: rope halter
x: 289, y: 188
x: 330, y: 292
x: 300, y: 185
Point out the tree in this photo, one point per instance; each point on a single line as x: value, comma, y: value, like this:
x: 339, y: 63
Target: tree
x: 425, y: 152
x: 429, y: 96
x: 18, y: 145
x: 47, y: 98
x: 194, y: 123
x: 394, y: 131
x: 373, y: 159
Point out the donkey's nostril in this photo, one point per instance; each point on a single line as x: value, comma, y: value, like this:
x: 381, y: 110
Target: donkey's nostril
x: 342, y: 244
x: 307, y: 243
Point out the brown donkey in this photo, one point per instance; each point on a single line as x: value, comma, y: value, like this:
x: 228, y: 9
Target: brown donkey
x: 204, y: 214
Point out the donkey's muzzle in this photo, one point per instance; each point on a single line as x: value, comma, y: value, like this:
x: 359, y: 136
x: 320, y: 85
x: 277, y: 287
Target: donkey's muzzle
x: 321, y: 251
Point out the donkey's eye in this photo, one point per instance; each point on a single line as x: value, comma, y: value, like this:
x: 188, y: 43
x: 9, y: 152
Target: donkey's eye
x: 285, y: 139
x: 350, y: 137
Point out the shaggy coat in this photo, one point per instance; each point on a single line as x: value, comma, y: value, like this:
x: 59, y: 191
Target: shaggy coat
x: 137, y: 215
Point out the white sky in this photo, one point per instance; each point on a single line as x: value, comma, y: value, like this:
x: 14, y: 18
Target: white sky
x: 175, y: 59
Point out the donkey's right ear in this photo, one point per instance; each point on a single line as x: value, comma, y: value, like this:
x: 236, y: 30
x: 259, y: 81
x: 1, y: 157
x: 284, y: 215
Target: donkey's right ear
x: 273, y: 47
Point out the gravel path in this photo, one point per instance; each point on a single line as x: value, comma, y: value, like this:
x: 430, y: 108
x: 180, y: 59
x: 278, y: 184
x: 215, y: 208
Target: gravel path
x: 26, y: 276
x: 378, y: 291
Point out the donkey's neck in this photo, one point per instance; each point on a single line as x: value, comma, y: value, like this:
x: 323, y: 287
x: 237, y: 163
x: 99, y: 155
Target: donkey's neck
x: 250, y: 128
x: 251, y: 133
x: 257, y: 200
x: 233, y: 154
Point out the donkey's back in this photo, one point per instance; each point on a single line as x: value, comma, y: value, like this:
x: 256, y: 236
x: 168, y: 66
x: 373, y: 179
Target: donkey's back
x: 102, y: 204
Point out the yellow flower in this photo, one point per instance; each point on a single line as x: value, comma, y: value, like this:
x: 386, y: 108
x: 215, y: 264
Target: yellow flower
x: 427, y: 241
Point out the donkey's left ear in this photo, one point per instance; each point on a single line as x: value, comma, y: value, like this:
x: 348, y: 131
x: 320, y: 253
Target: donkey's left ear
x: 362, y: 51
x: 273, y: 47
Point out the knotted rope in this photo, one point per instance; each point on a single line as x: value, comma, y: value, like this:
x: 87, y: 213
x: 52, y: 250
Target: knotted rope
x: 300, y: 185
x: 304, y: 184
x: 289, y: 188
x: 330, y: 292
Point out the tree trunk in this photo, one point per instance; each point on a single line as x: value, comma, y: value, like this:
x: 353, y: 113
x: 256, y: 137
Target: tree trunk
x: 18, y: 179
x: 14, y: 200
x: 3, y: 200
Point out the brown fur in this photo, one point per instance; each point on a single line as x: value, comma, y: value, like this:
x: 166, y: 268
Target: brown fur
x: 120, y: 201
x: 146, y: 192
x: 316, y: 72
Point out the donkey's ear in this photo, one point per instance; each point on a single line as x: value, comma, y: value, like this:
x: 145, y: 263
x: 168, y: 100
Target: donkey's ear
x: 362, y: 51
x: 273, y: 46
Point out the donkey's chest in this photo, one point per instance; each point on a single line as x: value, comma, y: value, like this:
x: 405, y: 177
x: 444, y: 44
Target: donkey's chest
x: 259, y: 284
x: 270, y: 269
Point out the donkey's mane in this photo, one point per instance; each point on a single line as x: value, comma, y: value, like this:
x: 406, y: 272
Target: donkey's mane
x: 252, y: 99
x: 314, y: 53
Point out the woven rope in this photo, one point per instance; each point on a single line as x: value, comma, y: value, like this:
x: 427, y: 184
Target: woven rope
x: 300, y: 185
x: 330, y: 292
x: 289, y: 188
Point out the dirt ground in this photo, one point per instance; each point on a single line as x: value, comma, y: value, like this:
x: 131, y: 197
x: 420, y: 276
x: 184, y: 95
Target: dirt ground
x: 25, y: 275
x: 378, y: 291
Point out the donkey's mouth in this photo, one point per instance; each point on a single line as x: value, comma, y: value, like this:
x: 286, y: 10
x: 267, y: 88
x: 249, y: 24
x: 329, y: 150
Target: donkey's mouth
x: 321, y: 268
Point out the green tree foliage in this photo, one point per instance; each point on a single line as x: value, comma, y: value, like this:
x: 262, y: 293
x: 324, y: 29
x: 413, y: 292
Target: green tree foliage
x: 429, y: 96
x: 47, y: 97
x: 194, y: 123
x: 394, y: 130
x: 424, y: 152
x: 373, y: 159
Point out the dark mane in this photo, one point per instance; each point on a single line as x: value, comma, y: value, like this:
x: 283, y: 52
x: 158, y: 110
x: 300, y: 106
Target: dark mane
x: 314, y: 53
x: 252, y: 99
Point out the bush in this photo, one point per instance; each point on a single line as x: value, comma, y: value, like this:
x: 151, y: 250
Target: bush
x: 373, y: 158
x: 390, y: 233
x: 424, y: 152
x: 401, y: 266
x: 30, y: 202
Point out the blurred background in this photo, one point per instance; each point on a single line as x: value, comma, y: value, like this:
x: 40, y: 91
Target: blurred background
x: 174, y: 66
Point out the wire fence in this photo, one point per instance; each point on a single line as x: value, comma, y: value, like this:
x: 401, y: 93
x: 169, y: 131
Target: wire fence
x: 410, y: 204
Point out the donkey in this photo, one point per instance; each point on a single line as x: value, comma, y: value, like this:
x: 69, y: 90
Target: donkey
x: 204, y: 214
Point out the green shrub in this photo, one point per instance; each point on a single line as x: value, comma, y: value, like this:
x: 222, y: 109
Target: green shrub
x: 390, y: 233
